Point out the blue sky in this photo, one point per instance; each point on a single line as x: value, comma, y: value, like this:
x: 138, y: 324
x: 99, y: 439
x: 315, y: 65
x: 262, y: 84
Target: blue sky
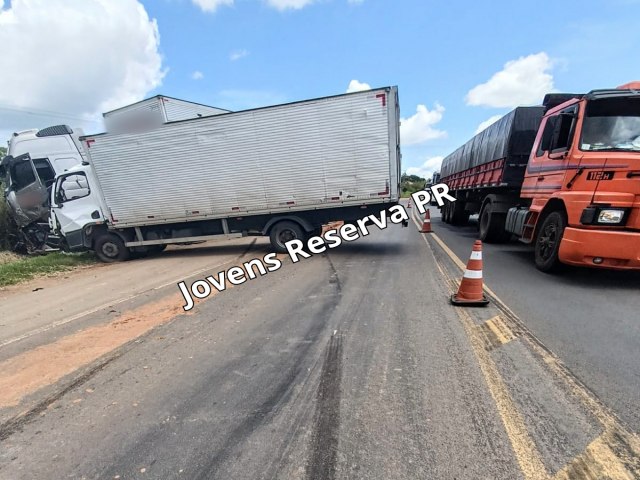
x: 447, y: 58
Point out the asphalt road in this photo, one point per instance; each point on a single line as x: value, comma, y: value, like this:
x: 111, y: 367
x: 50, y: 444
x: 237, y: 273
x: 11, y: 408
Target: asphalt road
x: 589, y: 318
x: 346, y: 365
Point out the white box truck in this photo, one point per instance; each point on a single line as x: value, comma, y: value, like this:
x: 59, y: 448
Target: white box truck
x: 281, y: 171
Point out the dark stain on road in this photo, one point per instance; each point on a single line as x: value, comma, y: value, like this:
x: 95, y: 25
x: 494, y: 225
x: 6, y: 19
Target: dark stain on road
x: 324, y: 449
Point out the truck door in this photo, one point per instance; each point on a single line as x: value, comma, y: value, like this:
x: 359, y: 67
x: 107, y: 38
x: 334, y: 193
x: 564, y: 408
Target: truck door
x: 74, y: 206
x: 26, y: 195
x: 550, y: 162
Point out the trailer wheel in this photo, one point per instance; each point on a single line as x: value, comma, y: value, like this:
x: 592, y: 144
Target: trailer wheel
x: 110, y: 248
x: 548, y: 241
x: 283, y: 232
x: 491, y: 225
x: 446, y: 213
x: 458, y: 216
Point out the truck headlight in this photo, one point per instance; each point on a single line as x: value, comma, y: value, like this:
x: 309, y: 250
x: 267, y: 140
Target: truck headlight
x: 611, y: 216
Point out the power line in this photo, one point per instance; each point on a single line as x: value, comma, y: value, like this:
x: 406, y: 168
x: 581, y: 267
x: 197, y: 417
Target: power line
x: 46, y: 113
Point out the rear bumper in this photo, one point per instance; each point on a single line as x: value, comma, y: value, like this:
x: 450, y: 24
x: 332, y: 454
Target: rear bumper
x: 618, y: 250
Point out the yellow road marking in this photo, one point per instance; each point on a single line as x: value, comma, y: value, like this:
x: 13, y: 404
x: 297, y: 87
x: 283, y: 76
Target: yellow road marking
x: 500, y: 329
x: 526, y: 452
x: 596, y: 462
x: 614, y: 455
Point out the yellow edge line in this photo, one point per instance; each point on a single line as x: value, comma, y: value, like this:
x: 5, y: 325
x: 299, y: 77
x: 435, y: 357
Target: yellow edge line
x: 500, y: 329
x: 600, y: 455
x: 462, y: 266
x: 527, y: 455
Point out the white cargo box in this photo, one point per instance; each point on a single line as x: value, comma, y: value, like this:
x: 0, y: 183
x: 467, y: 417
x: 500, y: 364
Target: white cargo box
x: 321, y: 153
x: 153, y: 112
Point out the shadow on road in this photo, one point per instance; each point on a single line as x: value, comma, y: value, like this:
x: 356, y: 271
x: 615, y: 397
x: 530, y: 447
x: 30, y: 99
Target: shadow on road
x: 209, y: 250
x: 373, y: 249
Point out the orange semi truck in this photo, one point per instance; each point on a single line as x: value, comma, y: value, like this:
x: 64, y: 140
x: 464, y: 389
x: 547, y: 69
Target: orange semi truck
x: 564, y: 177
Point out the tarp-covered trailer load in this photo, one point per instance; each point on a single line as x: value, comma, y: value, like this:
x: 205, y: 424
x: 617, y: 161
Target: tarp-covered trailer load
x: 497, y: 156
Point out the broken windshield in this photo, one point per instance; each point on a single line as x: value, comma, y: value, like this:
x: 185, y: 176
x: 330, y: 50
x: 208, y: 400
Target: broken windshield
x: 612, y: 124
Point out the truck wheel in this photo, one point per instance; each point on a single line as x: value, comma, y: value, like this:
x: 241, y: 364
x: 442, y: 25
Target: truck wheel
x: 492, y: 225
x: 110, y: 248
x: 446, y: 213
x: 548, y: 241
x: 458, y: 216
x: 283, y: 232
x: 155, y: 249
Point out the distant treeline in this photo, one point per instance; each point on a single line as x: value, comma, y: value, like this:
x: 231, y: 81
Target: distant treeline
x: 411, y: 183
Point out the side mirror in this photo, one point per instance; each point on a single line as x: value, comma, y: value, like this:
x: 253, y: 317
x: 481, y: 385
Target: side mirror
x: 558, y: 155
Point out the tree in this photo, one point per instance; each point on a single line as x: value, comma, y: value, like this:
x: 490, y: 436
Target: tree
x: 411, y: 183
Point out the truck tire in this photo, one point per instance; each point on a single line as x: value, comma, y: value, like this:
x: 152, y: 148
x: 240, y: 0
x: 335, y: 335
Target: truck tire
x: 155, y: 249
x: 548, y: 241
x: 283, y: 232
x: 491, y: 225
x: 110, y: 248
x: 446, y: 213
x: 458, y: 216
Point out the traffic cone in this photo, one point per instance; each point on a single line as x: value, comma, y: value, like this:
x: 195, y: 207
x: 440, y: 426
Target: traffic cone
x: 470, y: 293
x: 426, y: 223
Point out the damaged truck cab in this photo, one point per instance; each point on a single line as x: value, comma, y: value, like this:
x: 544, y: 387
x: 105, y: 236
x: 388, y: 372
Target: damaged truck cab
x: 34, y: 158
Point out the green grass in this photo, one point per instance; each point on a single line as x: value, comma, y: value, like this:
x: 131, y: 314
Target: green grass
x: 15, y: 268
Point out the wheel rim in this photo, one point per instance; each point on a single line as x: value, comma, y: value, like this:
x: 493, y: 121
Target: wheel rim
x: 548, y: 240
x: 110, y: 249
x: 286, y: 235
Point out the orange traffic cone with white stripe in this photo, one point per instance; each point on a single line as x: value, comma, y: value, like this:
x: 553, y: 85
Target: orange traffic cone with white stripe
x: 470, y: 293
x: 426, y: 223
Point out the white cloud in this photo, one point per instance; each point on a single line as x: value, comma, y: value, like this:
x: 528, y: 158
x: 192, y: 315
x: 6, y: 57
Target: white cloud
x: 105, y: 55
x: 427, y: 169
x: 212, y: 5
x: 197, y: 75
x: 356, y: 86
x: 488, y: 122
x: 524, y: 81
x: 289, y: 4
x: 238, y: 54
x: 419, y: 128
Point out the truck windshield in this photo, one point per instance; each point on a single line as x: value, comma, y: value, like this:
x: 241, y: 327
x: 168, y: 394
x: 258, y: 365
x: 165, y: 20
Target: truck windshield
x: 612, y: 124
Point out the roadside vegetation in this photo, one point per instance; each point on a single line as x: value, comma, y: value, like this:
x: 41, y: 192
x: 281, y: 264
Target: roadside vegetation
x: 18, y: 268
x: 410, y: 184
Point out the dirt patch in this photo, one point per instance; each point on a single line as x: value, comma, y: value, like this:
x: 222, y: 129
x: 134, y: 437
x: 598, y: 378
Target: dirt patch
x: 30, y: 371
x: 332, y: 226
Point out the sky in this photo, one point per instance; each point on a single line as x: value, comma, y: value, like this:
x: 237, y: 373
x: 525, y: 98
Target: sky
x: 458, y: 65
